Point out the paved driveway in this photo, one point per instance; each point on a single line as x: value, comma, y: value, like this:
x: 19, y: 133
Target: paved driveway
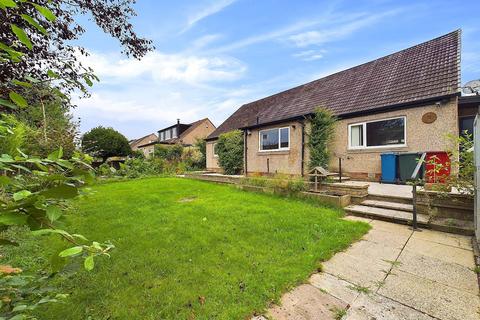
x: 393, y: 273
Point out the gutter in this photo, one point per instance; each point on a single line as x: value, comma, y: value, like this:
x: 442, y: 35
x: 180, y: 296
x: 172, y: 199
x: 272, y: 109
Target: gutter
x: 397, y: 106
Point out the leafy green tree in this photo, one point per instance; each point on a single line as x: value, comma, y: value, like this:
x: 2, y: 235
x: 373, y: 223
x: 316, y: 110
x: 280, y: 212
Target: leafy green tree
x: 50, y: 124
x: 201, y: 145
x: 105, y: 142
x: 230, y: 152
x: 320, y: 136
x: 38, y: 43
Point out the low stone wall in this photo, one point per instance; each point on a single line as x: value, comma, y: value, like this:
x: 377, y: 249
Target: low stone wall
x: 323, y: 198
x: 219, y: 178
x: 354, y: 190
x: 451, y: 205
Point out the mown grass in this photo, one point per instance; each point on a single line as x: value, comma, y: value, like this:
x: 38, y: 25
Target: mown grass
x: 194, y: 250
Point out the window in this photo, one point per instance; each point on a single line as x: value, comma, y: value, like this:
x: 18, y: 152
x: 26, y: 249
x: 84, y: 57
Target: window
x: 215, y: 150
x: 168, y: 134
x: 275, y: 139
x: 377, y: 134
x: 162, y: 135
x: 174, y: 132
x: 466, y: 124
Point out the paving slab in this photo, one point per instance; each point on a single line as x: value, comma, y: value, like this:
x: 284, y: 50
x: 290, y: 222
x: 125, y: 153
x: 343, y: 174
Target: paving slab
x: 369, y: 307
x: 307, y: 303
x: 373, y: 251
x: 449, y: 274
x: 362, y: 272
x: 442, y: 252
x: 391, y: 227
x: 431, y: 297
x: 393, y: 239
x: 454, y: 240
x: 334, y: 286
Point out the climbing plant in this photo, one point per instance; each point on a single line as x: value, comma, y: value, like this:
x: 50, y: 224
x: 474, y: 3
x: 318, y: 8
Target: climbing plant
x: 230, y: 152
x: 319, y: 137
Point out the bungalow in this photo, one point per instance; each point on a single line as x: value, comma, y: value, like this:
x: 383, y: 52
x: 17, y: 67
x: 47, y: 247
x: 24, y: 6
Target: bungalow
x: 407, y: 101
x: 136, y: 144
x: 180, y: 133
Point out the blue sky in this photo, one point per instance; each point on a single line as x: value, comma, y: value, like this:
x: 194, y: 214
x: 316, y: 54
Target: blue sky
x: 214, y: 55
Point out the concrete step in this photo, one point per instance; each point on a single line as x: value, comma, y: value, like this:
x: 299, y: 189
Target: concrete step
x: 388, y: 198
x: 337, y: 178
x: 388, y: 205
x: 397, y: 216
x: 457, y: 226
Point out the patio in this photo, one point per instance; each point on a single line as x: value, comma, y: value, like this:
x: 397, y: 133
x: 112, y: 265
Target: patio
x: 393, y: 273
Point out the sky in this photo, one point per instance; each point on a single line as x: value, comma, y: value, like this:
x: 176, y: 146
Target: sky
x: 212, y: 56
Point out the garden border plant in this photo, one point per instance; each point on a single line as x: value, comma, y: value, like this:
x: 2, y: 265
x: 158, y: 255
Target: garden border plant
x: 322, y: 128
x: 230, y: 152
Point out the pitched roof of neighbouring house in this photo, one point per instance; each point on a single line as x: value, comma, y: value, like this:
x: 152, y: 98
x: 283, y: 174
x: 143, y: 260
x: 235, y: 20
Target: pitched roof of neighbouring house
x: 136, y: 141
x: 422, y: 72
x: 192, y: 126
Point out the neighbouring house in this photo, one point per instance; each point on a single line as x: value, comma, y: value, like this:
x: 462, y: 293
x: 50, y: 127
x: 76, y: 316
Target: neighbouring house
x: 180, y: 133
x: 138, y: 144
x: 407, y: 101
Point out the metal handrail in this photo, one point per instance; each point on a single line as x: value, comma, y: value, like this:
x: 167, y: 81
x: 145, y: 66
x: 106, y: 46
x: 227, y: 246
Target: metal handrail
x: 414, y: 178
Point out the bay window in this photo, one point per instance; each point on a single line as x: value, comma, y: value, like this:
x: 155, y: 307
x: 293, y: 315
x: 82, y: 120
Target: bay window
x: 274, y: 139
x: 377, y: 134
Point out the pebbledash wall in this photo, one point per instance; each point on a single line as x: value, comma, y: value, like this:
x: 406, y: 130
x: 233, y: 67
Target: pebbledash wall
x: 362, y: 164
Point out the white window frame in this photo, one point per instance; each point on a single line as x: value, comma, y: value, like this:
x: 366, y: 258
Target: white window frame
x: 213, y: 147
x: 279, y: 148
x: 364, y: 125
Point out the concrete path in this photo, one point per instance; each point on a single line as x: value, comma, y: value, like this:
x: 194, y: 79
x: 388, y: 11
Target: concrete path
x: 393, y: 273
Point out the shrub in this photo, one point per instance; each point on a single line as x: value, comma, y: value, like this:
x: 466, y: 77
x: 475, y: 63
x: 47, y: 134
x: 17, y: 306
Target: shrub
x: 106, y: 170
x: 192, y: 157
x: 105, y: 142
x: 321, y: 133
x: 201, y: 145
x: 14, y: 137
x: 230, y: 152
x: 169, y: 152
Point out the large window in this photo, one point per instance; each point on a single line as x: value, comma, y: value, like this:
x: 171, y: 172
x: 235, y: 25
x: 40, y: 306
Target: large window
x: 377, y: 134
x: 174, y: 132
x: 275, y: 139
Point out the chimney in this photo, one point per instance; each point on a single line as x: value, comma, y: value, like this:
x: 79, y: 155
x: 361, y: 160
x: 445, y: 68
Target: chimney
x: 178, y: 121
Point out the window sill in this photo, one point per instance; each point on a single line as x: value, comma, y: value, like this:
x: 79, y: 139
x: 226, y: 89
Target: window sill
x: 272, y: 152
x: 378, y: 150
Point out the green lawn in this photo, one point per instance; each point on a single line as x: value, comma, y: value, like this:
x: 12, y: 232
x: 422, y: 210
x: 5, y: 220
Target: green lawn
x: 195, y: 250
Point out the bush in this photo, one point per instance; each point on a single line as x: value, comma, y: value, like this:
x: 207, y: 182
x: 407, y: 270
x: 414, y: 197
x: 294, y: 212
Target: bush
x: 105, y: 142
x: 192, y: 157
x: 321, y: 133
x: 201, y: 145
x: 230, y: 152
x: 14, y: 138
x: 168, y: 152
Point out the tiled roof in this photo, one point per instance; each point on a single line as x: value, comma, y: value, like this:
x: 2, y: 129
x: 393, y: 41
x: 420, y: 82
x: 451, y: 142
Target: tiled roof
x: 191, y: 127
x: 425, y: 71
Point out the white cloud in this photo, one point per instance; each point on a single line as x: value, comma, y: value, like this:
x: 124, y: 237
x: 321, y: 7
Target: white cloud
x: 191, y: 69
x: 343, y: 26
x: 310, y: 55
x: 207, y: 11
x: 144, y: 96
x: 319, y: 37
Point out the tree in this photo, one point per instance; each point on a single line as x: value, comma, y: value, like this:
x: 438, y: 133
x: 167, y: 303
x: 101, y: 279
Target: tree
x: 321, y: 133
x: 230, y: 152
x: 105, y: 142
x: 49, y: 122
x: 201, y: 144
x: 37, y: 41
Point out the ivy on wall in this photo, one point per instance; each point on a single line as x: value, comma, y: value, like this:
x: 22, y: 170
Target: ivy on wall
x: 320, y: 135
x: 230, y: 152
